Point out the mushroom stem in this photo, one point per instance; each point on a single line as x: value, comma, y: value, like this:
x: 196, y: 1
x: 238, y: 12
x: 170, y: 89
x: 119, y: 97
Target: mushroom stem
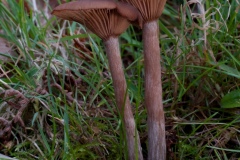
x: 153, y: 92
x: 122, y: 100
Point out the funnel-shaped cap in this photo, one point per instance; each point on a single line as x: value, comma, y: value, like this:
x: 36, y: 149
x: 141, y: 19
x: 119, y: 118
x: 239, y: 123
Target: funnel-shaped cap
x: 105, y: 18
x: 149, y: 9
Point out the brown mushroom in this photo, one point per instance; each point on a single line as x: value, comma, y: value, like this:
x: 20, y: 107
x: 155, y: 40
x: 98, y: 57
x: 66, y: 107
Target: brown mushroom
x: 151, y: 10
x: 108, y: 19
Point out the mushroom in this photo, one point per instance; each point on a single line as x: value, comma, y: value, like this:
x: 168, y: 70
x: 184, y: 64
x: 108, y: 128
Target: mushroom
x: 151, y: 10
x: 108, y: 19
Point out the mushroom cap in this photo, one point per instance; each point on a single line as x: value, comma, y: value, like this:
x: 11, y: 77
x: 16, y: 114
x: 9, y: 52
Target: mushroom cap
x: 105, y: 18
x: 149, y: 9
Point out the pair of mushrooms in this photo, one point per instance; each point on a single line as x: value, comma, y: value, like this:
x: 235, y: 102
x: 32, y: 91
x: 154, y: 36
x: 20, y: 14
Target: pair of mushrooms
x: 108, y: 19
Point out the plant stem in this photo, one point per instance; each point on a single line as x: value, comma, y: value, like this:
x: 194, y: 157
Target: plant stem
x: 153, y: 92
x: 122, y: 100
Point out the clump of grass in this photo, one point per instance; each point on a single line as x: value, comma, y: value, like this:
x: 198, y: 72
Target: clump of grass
x: 71, y: 112
x: 202, y: 65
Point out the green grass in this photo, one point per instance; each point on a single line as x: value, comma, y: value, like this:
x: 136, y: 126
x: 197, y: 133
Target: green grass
x: 71, y: 113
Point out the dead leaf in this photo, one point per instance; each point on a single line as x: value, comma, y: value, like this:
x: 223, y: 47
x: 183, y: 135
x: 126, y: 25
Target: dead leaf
x: 5, y: 50
x: 83, y: 52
